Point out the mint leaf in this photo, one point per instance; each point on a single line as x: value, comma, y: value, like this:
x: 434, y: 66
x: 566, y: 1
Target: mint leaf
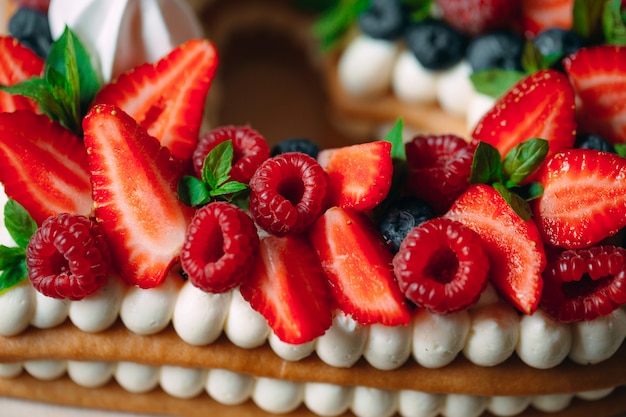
x: 523, y: 160
x: 495, y: 82
x: 231, y: 187
x: 10, y: 256
x: 418, y: 10
x: 394, y: 136
x: 19, y: 223
x: 13, y: 275
x: 620, y: 148
x: 37, y: 89
x: 613, y: 26
x: 486, y: 165
x: 217, y: 164
x: 193, y: 192
x: 532, y: 191
x: 587, y: 18
x: 517, y: 203
x: 334, y: 24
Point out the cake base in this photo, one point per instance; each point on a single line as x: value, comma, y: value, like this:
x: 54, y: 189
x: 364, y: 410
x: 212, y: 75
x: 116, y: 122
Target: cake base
x: 112, y: 397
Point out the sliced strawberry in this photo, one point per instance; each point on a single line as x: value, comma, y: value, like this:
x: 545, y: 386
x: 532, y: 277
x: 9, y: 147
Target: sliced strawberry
x: 538, y: 15
x: 167, y: 98
x: 513, y: 246
x: 584, y: 198
x: 17, y: 63
x: 358, y: 266
x: 598, y: 75
x: 479, y: 16
x: 44, y: 166
x: 359, y: 176
x: 134, y: 187
x: 288, y: 287
x: 541, y: 105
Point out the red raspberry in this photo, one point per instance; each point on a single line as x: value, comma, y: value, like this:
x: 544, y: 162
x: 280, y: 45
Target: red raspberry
x: 439, y: 168
x: 584, y: 284
x: 249, y: 150
x: 479, y: 16
x: 220, y: 247
x: 67, y: 257
x: 441, y: 266
x: 287, y: 193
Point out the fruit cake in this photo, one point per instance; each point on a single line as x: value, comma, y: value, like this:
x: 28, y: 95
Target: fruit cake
x: 153, y: 267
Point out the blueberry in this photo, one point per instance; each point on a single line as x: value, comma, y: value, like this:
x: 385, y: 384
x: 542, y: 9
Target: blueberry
x: 496, y: 50
x: 399, y: 219
x: 296, y: 145
x: 384, y: 20
x: 435, y: 44
x: 593, y: 141
x: 557, y: 40
x: 31, y: 28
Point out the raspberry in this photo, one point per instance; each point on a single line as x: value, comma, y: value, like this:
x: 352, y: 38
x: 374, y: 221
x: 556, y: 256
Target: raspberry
x: 67, y: 257
x: 287, y: 193
x: 441, y: 266
x: 439, y: 168
x: 584, y: 284
x: 249, y: 150
x: 219, y: 248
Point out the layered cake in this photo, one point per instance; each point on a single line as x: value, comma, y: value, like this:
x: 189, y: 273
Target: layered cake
x: 154, y: 264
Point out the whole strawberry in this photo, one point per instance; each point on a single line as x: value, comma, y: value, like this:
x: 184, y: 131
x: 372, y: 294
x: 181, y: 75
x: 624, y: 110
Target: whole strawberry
x: 478, y: 16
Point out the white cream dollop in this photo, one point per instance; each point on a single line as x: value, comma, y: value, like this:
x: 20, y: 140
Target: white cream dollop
x: 122, y: 34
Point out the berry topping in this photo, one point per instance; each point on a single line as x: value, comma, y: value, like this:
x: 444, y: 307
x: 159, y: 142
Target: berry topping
x: 44, y: 166
x: 593, y: 141
x: 478, y: 16
x: 357, y: 263
x: 68, y: 257
x: 586, y: 283
x: 598, y: 75
x: 497, y: 50
x: 220, y: 247
x: 249, y: 150
x: 439, y: 168
x: 167, y: 98
x: 287, y: 193
x: 134, y: 187
x: 558, y: 41
x: 584, y: 198
x: 402, y: 216
x: 359, y: 176
x: 303, y: 145
x: 30, y: 27
x: 385, y: 19
x: 513, y: 246
x: 435, y: 44
x: 541, y: 105
x: 441, y: 266
x: 287, y: 286
x: 17, y: 63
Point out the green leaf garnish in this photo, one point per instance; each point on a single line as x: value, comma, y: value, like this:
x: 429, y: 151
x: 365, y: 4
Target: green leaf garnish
x: 507, y: 176
x: 620, y: 148
x: 495, y: 82
x: 587, y: 18
x: 21, y: 227
x: 19, y: 223
x: 613, y: 26
x: 215, y: 184
x: 394, y: 136
x: 68, y: 86
x: 337, y: 21
x: 523, y: 160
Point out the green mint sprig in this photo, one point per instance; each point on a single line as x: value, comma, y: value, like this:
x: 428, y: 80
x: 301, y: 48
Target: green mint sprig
x: 68, y: 86
x: 614, y: 23
x: 508, y: 176
x: 215, y: 183
x: 21, y: 227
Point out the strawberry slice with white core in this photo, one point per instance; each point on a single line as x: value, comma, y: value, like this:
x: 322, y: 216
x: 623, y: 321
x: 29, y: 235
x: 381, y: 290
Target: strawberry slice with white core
x: 168, y: 97
x: 541, y: 105
x: 359, y: 176
x: 358, y: 265
x: 134, y: 187
x: 44, y: 166
x: 513, y: 246
x: 288, y: 287
x: 539, y: 15
x: 584, y: 198
x: 598, y: 75
x: 17, y: 63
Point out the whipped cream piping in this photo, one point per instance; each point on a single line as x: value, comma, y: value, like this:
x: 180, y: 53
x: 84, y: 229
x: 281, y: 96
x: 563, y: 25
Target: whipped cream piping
x: 281, y: 396
x: 121, y: 34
